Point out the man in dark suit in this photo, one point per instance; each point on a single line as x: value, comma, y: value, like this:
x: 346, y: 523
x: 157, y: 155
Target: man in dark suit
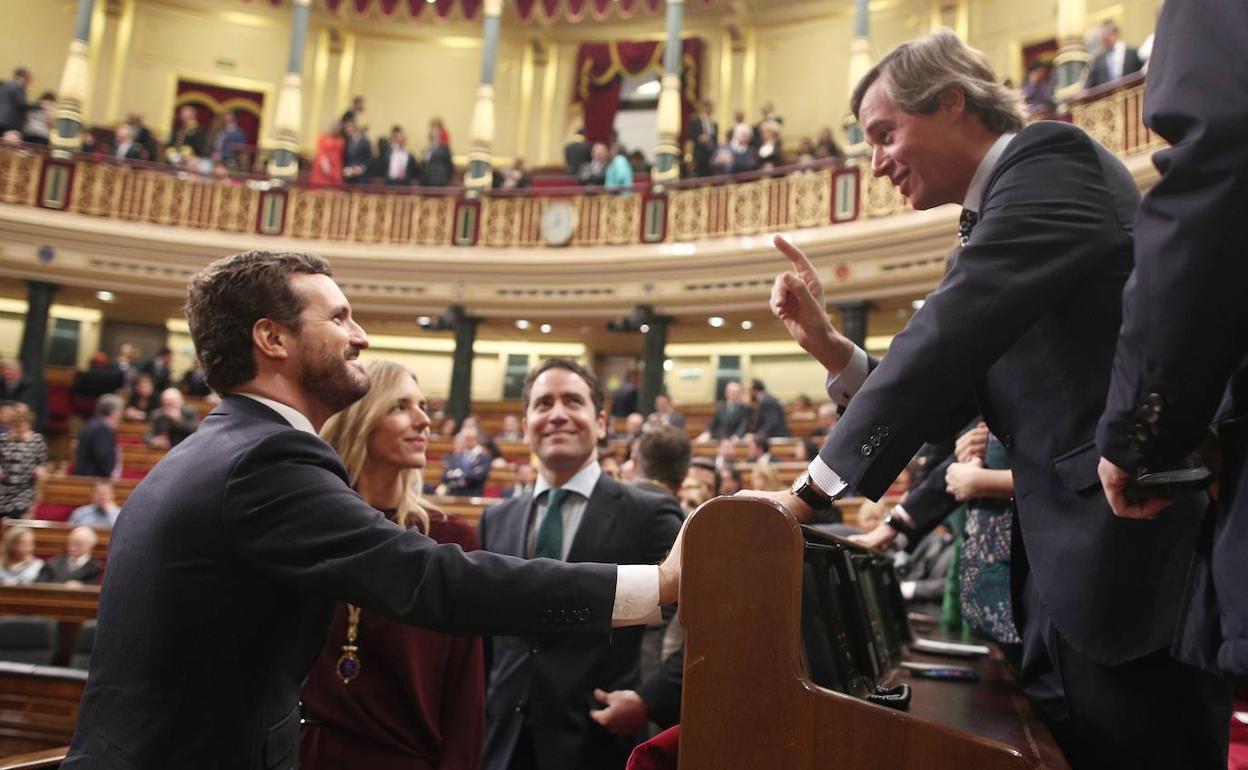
x: 227, y: 560
x: 437, y: 168
x: 731, y: 418
x: 125, y: 147
x: 13, y: 104
x: 769, y: 419
x: 625, y: 398
x: 541, y: 692
x: 702, y: 133
x: 664, y: 413
x: 1116, y: 59
x: 358, y: 154
x: 1030, y: 305
x: 159, y: 367
x: 464, y: 470
x: 15, y: 385
x: 397, y: 164
x: 97, y: 441
x: 1172, y: 377
x: 576, y: 152
x: 76, y: 566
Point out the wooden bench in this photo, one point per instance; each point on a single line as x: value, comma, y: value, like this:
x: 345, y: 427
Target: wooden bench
x: 60, y: 495
x: 69, y: 607
x: 38, y: 710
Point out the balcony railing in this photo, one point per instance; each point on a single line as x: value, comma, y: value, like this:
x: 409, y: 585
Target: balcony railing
x: 794, y: 197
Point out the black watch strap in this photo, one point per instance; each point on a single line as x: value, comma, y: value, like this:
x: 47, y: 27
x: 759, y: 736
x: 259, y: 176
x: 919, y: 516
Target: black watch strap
x: 805, y: 491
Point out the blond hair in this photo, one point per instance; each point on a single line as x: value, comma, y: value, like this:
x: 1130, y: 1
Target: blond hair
x: 349, y: 430
x: 10, y: 544
x: 917, y: 73
x: 765, y: 477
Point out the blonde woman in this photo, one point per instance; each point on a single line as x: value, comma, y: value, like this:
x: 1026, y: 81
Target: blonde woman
x: 764, y: 476
x: 18, y: 565
x: 383, y: 694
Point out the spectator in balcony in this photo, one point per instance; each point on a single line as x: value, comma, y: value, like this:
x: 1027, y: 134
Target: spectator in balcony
x: 625, y: 398
x: 227, y: 142
x: 190, y: 144
x: 769, y: 419
x: 397, y: 163
x: 619, y: 171
x: 1115, y: 60
x: 768, y: 114
x: 664, y: 413
x: 438, y: 168
x: 12, y: 138
x: 76, y: 567
x: 514, y: 178
x: 13, y: 105
x: 703, y: 133
x: 806, y: 151
x: 770, y: 146
x: 174, y: 421
x: 359, y: 154
x: 99, y: 378
x: 15, y: 385
x: 124, y: 145
x: 143, y: 399
x: 594, y: 172
x: 102, y: 511
x: 330, y: 152
x: 444, y: 136
x: 23, y: 454
x: 39, y: 117
x: 159, y: 368
x: 142, y: 135
x: 731, y: 418
x: 354, y: 112
x: 739, y: 155
x: 511, y: 429
x: 1038, y: 90
x: 18, y: 563
x: 464, y: 471
x: 576, y: 153
x: 826, y: 146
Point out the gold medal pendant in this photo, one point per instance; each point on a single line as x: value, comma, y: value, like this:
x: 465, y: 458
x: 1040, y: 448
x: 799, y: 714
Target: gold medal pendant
x: 348, y: 666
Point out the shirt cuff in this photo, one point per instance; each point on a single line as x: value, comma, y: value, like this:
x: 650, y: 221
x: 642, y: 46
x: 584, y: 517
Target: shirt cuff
x: 907, y: 589
x: 636, y: 595
x: 826, y: 479
x: 842, y: 387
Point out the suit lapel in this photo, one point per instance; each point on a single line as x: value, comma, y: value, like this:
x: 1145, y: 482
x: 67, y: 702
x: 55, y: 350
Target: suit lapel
x: 596, y: 522
x: 514, y: 525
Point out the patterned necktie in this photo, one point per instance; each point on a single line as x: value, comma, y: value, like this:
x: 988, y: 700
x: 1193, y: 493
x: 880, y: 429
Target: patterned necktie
x: 550, y: 534
x: 966, y: 223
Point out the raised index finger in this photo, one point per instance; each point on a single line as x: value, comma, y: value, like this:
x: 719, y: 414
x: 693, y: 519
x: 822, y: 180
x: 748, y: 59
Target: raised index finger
x: 800, y: 262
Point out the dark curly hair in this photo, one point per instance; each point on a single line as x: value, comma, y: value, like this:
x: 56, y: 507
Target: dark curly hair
x: 226, y: 298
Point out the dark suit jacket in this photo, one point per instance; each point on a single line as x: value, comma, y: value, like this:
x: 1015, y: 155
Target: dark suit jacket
x: 550, y: 683
x: 13, y: 105
x: 1099, y: 72
x: 410, y: 171
x: 57, y: 570
x: 730, y: 420
x: 97, y: 449
x: 1025, y: 324
x: 1189, y: 281
x: 575, y: 155
x: 15, y: 391
x: 223, y: 573
x: 438, y: 167
x: 702, y: 133
x: 624, y: 400
x: 769, y: 419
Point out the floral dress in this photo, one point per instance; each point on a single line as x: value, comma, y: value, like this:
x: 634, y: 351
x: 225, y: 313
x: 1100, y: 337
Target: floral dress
x: 19, y: 459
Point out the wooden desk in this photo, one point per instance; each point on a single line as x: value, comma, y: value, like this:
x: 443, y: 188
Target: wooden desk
x: 38, y: 708
x: 749, y: 702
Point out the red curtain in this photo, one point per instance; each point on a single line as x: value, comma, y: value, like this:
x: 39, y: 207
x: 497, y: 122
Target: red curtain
x: 599, y: 67
x: 210, y: 102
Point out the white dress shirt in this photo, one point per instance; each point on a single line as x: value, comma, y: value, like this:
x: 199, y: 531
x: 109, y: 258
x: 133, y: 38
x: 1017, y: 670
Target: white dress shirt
x: 842, y: 386
x: 398, y: 162
x: 636, y: 585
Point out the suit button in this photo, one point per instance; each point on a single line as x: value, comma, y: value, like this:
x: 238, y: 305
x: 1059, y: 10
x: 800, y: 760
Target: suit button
x: 1007, y: 441
x: 876, y: 441
x: 883, y: 431
x: 865, y: 450
x: 533, y: 651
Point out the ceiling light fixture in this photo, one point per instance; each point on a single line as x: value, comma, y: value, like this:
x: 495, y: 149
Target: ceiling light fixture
x: 715, y: 321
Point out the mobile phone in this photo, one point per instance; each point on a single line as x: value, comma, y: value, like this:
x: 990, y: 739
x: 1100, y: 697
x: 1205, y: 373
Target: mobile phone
x: 1168, y: 483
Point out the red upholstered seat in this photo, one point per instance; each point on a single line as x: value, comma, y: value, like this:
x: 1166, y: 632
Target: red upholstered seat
x: 658, y: 753
x: 53, y: 511
x: 1238, y: 759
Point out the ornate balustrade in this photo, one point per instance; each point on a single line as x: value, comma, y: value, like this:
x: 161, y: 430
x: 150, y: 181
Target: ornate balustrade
x: 787, y: 199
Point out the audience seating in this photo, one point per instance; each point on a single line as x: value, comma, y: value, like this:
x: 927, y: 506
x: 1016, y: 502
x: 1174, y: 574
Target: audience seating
x: 60, y: 495
x: 51, y: 536
x: 81, y: 656
x: 38, y: 711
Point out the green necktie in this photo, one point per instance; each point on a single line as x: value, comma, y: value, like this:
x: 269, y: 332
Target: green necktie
x: 550, y: 534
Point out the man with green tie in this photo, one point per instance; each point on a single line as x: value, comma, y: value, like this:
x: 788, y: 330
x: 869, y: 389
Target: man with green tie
x: 541, y: 691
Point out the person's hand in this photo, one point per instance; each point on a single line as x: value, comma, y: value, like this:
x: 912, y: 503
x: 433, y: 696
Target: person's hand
x: 797, y: 299
x: 973, y: 443
x: 881, y: 537
x: 625, y: 713
x: 703, y: 437
x: 669, y: 570
x: 1115, y: 480
x: 159, y: 442
x: 962, y: 479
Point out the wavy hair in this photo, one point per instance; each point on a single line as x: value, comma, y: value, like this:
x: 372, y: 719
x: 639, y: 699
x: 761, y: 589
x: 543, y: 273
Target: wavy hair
x: 915, y: 74
x: 348, y: 433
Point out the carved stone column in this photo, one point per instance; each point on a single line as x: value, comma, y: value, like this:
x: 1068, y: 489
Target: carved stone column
x: 667, y: 153
x: 480, y: 174
x: 289, y: 114
x: 66, y: 135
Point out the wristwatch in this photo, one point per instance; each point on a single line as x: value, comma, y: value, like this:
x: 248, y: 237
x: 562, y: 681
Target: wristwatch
x: 806, y: 490
x: 898, y: 524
